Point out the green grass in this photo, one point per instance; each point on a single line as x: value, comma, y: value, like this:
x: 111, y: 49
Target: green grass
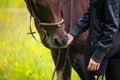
x: 21, y: 58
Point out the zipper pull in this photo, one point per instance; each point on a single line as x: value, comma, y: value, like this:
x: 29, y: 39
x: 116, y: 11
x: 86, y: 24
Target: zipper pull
x: 91, y: 43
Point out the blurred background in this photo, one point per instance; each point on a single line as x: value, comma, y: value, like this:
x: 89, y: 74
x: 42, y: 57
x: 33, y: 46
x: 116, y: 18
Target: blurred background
x: 21, y: 57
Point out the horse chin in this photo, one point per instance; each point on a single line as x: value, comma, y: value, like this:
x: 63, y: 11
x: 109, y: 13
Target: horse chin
x: 59, y: 43
x: 52, y: 45
x: 59, y: 46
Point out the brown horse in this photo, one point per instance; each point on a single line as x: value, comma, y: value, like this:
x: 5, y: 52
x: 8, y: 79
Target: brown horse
x: 52, y: 28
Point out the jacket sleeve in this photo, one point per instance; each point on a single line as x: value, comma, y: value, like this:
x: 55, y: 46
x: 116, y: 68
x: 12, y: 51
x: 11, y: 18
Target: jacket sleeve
x: 111, y: 26
x: 82, y: 24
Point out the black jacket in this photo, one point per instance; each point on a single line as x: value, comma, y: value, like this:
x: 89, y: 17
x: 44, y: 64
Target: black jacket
x: 102, y: 19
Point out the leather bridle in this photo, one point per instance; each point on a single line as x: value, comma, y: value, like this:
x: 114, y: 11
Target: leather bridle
x: 32, y: 6
x: 33, y: 13
x: 58, y: 24
x: 51, y: 24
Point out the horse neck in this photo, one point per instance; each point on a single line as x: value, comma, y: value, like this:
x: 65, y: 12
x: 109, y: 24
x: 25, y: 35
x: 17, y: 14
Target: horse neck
x: 77, y: 8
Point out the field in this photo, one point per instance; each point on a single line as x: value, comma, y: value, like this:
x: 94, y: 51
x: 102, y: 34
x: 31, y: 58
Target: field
x: 21, y: 57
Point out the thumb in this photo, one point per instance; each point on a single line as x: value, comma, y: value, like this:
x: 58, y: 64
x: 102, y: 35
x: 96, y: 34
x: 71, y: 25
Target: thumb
x: 70, y: 39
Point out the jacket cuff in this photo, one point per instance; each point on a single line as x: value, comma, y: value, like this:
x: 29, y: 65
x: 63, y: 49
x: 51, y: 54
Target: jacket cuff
x: 98, y: 55
x: 75, y: 32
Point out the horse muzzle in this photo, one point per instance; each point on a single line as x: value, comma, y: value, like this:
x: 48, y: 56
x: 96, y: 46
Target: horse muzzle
x: 60, y: 42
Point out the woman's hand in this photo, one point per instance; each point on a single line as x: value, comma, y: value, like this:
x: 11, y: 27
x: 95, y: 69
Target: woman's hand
x: 70, y: 39
x: 93, y: 65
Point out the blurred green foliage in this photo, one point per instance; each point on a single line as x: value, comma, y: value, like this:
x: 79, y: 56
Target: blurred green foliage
x: 21, y: 58
x: 12, y: 3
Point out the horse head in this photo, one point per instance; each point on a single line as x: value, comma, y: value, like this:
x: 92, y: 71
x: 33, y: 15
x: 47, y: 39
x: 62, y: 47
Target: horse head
x: 48, y: 21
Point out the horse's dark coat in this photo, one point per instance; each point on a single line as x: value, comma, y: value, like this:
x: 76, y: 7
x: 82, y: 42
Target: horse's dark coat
x: 50, y: 11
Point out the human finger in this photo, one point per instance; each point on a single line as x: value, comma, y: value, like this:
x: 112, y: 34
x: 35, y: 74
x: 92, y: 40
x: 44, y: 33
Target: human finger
x: 90, y: 66
x: 97, y: 66
x: 70, y: 38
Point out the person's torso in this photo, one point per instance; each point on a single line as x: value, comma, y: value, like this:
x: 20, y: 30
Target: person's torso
x: 97, y: 8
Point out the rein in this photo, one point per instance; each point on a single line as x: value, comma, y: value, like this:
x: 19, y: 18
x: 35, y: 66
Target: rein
x: 67, y: 52
x: 58, y: 24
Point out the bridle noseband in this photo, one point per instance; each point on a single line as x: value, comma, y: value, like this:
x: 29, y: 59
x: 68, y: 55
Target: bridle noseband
x: 51, y: 24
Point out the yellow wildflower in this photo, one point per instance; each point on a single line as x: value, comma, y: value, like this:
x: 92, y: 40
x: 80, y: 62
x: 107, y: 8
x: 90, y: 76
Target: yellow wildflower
x: 28, y: 72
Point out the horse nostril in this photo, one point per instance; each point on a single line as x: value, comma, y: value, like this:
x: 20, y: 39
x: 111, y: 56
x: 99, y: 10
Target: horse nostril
x: 56, y: 42
x: 60, y: 42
